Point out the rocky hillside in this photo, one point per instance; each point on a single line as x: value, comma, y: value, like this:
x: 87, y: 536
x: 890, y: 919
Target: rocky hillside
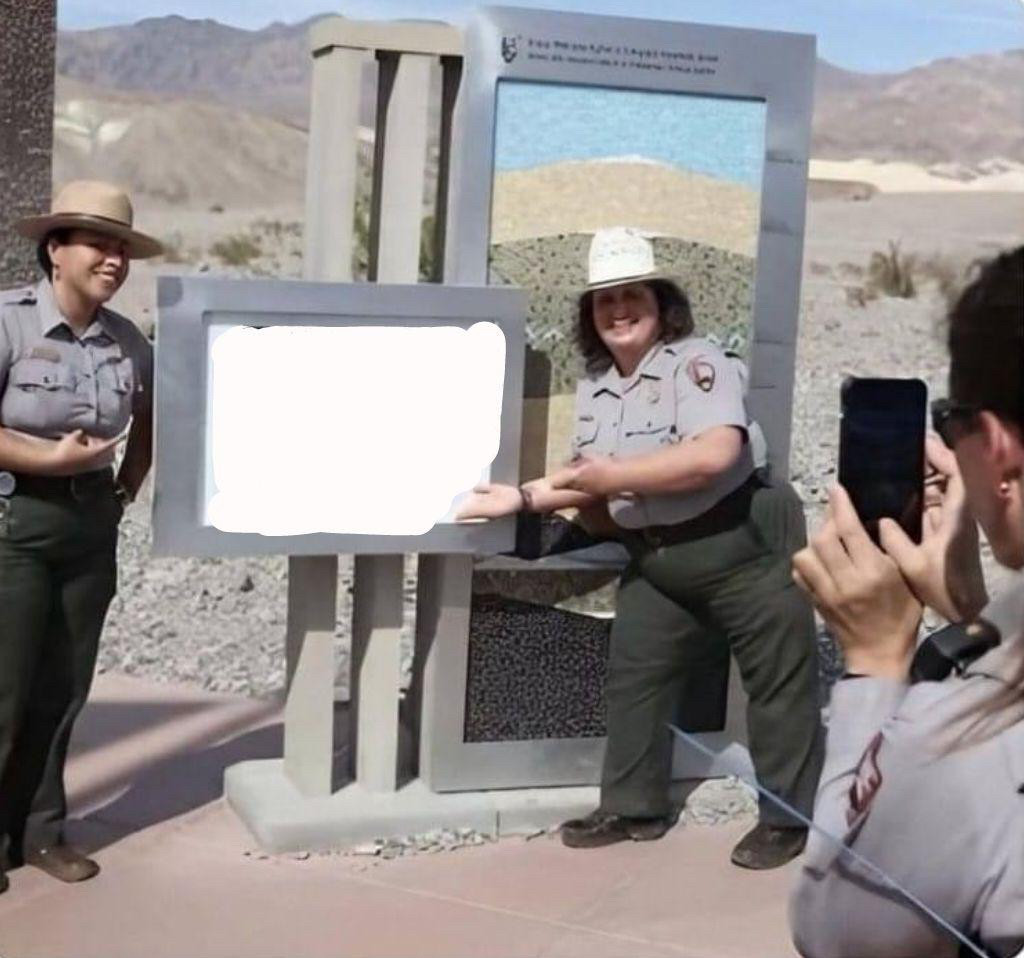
x: 953, y: 110
x: 956, y: 110
x: 171, y: 151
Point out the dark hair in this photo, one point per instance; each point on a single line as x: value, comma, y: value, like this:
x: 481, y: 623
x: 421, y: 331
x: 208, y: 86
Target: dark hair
x: 62, y: 235
x: 986, y: 339
x: 986, y: 370
x: 673, y: 313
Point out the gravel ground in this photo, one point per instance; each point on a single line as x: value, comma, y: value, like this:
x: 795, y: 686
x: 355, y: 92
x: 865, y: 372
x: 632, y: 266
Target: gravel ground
x: 220, y: 623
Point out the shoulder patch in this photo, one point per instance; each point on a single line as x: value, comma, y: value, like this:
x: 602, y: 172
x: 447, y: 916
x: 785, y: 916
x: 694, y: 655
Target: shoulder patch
x: 867, y: 781
x: 701, y: 372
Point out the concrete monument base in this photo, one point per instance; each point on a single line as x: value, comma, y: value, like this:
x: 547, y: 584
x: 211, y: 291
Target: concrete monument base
x: 282, y: 819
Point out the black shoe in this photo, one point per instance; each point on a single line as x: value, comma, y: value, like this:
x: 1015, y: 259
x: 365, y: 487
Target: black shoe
x: 606, y: 828
x: 62, y: 862
x: 769, y: 846
x: 5, y: 882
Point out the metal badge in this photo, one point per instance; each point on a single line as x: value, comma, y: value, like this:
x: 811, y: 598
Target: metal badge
x: 653, y: 391
x: 7, y: 484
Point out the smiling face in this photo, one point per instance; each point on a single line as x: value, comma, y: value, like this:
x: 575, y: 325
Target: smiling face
x: 90, y: 266
x: 626, y: 319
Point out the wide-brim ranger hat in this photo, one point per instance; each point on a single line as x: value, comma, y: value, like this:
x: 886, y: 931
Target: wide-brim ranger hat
x: 619, y: 255
x: 92, y: 205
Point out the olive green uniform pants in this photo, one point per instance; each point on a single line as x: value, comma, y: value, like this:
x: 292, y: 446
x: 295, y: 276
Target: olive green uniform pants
x: 675, y: 602
x: 57, y: 577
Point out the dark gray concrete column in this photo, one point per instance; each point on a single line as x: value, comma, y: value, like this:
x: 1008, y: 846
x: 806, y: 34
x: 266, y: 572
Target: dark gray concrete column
x: 28, y: 40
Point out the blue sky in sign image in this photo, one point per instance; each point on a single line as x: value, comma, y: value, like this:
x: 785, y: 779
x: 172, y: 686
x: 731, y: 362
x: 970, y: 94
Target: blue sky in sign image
x: 540, y: 123
x: 866, y: 35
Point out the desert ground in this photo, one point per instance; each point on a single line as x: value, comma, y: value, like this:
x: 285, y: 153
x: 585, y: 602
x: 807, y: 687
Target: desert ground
x: 220, y: 623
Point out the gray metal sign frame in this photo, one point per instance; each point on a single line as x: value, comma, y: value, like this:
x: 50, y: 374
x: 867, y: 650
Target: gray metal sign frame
x: 751, y: 64
x: 777, y: 68
x: 185, y: 307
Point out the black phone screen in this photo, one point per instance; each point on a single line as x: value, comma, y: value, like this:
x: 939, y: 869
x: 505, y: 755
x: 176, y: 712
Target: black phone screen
x: 881, y: 450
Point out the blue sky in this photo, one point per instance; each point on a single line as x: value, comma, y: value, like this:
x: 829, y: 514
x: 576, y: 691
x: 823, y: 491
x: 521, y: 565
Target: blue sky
x: 856, y: 34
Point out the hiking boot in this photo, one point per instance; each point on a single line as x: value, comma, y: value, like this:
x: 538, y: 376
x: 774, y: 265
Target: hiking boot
x: 62, y: 862
x: 769, y: 846
x: 606, y: 828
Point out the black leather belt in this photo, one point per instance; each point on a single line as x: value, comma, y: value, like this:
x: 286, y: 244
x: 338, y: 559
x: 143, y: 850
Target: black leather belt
x: 728, y: 513
x: 85, y: 485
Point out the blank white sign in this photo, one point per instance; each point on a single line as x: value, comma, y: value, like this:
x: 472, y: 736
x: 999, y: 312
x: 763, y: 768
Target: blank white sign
x: 368, y: 430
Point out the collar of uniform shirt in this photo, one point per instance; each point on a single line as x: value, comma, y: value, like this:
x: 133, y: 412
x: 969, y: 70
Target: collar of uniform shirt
x: 654, y: 365
x: 51, y: 318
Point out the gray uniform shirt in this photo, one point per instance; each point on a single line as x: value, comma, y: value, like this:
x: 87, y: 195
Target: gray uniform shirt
x: 679, y: 390
x: 948, y: 827
x: 53, y: 382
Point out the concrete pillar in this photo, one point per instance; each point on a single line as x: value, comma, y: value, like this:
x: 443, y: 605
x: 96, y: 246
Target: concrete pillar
x: 331, y: 171
x: 28, y: 38
x: 331, y: 167
x: 399, y: 167
x: 376, y: 669
x: 338, y: 46
x: 309, y: 649
x: 395, y: 223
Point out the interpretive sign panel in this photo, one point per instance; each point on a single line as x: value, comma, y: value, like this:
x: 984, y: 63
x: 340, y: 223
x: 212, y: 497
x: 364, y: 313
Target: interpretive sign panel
x: 314, y: 418
x: 699, y: 137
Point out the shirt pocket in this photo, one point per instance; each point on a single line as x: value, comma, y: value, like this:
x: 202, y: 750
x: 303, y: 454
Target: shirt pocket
x: 41, y: 397
x: 32, y: 375
x: 650, y: 427
x: 116, y: 391
x: 584, y: 437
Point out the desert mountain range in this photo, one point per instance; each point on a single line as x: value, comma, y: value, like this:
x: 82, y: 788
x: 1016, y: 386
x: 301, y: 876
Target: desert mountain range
x: 220, y: 113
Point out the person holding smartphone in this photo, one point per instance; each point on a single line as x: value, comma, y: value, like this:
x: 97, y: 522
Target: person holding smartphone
x: 73, y: 375
x: 924, y: 782
x: 663, y: 443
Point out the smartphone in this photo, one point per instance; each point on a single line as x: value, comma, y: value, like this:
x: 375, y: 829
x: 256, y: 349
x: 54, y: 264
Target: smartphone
x: 881, y: 450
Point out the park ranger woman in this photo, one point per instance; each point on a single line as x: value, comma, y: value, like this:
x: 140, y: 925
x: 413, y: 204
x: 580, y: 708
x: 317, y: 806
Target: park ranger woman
x: 661, y: 440
x: 920, y: 841
x: 73, y: 375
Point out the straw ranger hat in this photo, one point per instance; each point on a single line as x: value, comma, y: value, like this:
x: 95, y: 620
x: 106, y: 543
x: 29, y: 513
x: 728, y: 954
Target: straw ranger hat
x: 92, y: 205
x: 618, y: 255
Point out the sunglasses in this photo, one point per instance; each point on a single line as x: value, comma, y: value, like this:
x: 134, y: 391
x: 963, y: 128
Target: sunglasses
x: 953, y: 420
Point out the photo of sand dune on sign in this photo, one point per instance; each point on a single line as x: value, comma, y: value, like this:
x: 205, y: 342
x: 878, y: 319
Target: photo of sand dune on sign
x: 570, y: 160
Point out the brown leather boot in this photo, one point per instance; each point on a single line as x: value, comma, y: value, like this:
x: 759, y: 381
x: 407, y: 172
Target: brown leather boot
x: 769, y: 846
x: 605, y: 828
x: 62, y: 862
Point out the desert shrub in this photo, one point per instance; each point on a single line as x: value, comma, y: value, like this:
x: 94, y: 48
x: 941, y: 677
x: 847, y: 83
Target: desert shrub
x: 949, y: 277
x: 239, y: 249
x: 891, y: 274
x: 174, y: 250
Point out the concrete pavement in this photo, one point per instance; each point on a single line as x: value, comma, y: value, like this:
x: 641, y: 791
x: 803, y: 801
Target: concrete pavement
x: 181, y: 876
